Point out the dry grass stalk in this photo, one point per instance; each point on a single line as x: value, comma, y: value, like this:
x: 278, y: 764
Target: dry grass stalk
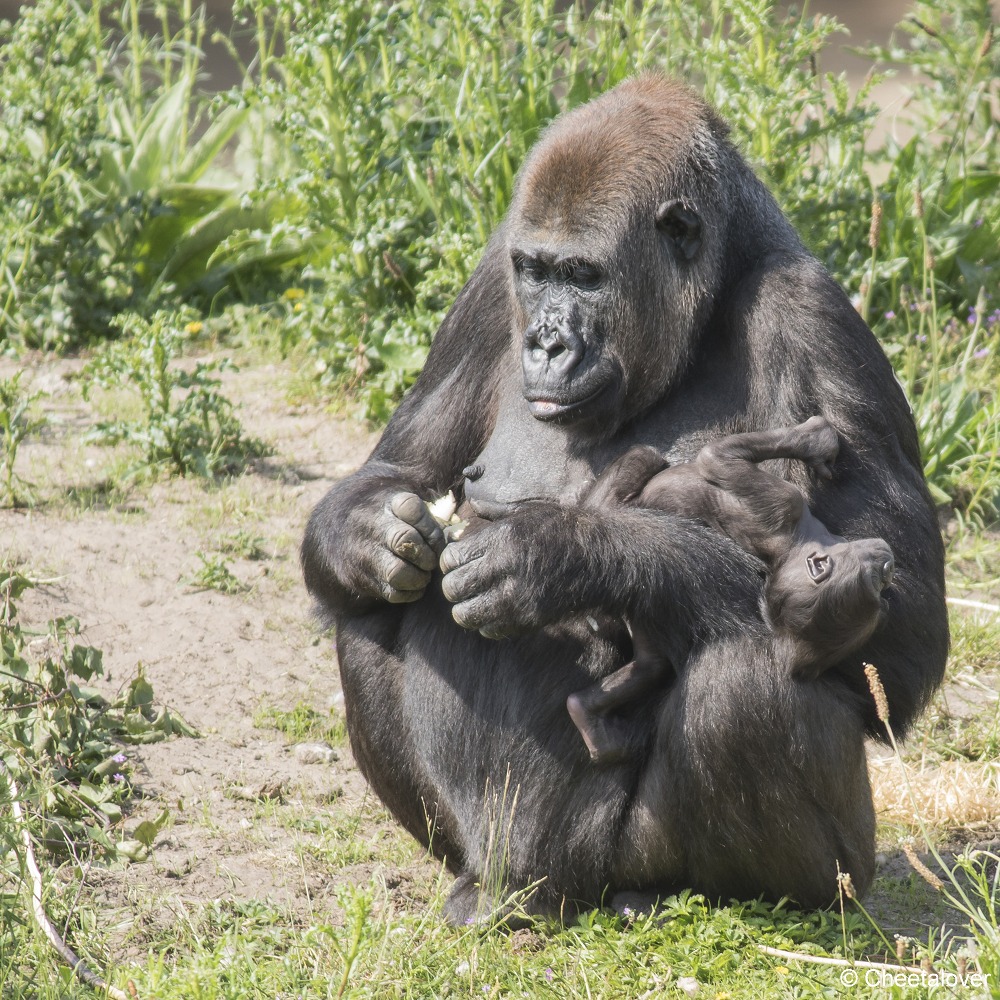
x: 920, y: 868
x: 957, y: 793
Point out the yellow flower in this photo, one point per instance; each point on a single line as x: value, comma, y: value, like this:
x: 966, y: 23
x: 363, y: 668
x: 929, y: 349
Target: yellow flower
x: 782, y: 970
x: 293, y: 294
x: 722, y: 996
x: 298, y: 307
x: 193, y: 329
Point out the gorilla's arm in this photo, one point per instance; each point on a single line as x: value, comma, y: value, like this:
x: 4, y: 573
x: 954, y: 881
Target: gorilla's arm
x: 547, y: 562
x: 371, y: 538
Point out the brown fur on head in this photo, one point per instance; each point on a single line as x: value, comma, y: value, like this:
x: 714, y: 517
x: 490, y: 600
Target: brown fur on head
x: 642, y: 187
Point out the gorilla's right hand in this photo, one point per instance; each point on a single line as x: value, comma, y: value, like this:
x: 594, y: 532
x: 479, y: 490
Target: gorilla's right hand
x: 378, y: 545
x: 406, y: 545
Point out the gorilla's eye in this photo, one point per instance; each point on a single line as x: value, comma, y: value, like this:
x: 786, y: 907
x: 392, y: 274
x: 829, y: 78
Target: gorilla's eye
x: 681, y: 226
x: 819, y: 566
x: 529, y: 268
x: 585, y: 275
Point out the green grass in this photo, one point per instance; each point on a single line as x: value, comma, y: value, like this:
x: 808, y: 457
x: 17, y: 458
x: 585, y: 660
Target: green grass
x: 303, y: 723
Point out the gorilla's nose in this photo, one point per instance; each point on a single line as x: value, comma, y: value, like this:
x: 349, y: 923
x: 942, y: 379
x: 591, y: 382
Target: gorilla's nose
x: 552, y: 345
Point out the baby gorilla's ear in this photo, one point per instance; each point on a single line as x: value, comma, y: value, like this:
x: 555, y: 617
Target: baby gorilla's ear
x: 624, y: 479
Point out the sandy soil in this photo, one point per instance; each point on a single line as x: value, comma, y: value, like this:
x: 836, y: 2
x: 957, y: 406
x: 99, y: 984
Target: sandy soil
x: 237, y: 795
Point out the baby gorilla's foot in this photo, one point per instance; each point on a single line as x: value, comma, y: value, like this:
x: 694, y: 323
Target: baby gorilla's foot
x: 606, y: 742
x: 819, y: 445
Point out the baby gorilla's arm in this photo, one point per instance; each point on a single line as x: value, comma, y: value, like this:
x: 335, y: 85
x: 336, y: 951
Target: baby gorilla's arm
x: 766, y: 505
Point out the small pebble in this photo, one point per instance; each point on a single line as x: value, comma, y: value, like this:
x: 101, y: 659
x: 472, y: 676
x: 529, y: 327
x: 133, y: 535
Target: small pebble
x: 315, y: 753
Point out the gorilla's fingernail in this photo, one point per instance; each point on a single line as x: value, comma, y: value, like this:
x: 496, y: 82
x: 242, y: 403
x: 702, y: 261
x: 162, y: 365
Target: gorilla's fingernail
x: 473, y: 472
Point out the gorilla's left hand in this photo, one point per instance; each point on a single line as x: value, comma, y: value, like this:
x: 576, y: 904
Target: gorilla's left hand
x: 515, y: 575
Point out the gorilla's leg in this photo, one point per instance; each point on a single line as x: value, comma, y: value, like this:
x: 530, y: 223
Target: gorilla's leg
x: 758, y: 784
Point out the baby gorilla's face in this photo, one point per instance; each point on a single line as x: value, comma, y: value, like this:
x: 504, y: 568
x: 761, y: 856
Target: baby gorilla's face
x: 829, y: 598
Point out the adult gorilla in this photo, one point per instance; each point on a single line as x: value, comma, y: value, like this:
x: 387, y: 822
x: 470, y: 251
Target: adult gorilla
x: 643, y: 289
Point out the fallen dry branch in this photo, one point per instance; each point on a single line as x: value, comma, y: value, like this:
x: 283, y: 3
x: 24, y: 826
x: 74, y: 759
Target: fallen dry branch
x: 79, y: 968
x: 799, y: 956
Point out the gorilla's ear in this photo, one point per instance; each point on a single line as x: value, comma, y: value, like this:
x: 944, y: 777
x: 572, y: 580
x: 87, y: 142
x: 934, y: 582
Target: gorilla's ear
x: 681, y: 226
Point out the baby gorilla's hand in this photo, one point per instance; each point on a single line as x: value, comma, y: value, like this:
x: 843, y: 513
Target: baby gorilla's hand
x: 820, y: 445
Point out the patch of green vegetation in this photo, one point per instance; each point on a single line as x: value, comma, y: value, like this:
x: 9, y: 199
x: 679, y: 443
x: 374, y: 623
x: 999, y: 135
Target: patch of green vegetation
x: 245, y: 544
x: 214, y: 573
x: 187, y: 425
x: 65, y: 743
x: 303, y: 723
x: 17, y: 420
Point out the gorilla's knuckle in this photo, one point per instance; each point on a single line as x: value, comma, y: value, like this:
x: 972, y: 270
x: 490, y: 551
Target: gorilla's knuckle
x: 408, y: 506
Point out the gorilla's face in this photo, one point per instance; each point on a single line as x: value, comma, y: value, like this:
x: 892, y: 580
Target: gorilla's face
x: 587, y: 319
x: 569, y: 372
x: 831, y: 597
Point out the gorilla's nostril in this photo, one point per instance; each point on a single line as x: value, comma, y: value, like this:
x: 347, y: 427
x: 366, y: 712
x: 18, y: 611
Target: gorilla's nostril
x: 473, y: 472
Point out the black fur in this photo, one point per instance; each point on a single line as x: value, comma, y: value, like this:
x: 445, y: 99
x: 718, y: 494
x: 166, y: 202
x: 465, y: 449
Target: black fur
x: 747, y: 780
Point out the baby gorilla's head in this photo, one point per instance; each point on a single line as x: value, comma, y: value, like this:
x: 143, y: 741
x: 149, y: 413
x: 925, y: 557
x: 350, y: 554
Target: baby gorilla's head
x: 828, y: 598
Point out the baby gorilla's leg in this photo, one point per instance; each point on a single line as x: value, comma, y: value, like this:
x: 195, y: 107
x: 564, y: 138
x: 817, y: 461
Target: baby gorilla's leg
x: 607, y: 740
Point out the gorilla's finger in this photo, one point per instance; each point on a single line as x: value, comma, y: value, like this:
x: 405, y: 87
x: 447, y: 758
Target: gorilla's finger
x: 476, y: 614
x: 399, y: 574
x: 410, y: 508
x: 462, y: 583
x: 468, y: 548
x: 407, y: 543
x: 400, y: 596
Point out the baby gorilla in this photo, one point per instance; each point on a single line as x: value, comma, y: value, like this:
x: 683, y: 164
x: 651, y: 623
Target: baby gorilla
x: 823, y: 593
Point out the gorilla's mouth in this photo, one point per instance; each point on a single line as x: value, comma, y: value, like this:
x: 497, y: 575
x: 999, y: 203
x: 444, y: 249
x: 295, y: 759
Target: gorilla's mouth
x: 551, y: 409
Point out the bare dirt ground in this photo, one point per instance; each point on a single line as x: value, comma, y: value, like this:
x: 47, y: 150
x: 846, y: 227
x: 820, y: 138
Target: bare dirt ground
x: 242, y: 803
x: 249, y: 820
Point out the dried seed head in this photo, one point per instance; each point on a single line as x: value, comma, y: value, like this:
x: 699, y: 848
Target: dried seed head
x: 846, y: 885
x: 961, y: 966
x: 920, y: 868
x: 391, y: 266
x: 930, y: 262
x: 987, y: 42
x: 926, y: 966
x: 927, y: 29
x: 876, y: 227
x: 918, y: 202
x: 878, y: 693
x: 902, y: 947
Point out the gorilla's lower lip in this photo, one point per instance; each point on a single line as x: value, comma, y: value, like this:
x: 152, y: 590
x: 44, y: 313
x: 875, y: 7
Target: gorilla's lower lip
x: 549, y: 409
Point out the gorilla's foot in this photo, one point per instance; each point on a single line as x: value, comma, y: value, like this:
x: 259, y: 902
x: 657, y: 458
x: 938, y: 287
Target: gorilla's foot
x: 468, y: 905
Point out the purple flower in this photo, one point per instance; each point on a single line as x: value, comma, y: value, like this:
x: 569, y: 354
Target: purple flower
x: 973, y: 316
x: 890, y: 315
x: 921, y: 338
x: 982, y: 352
x: 549, y: 975
x: 993, y: 318
x: 118, y: 777
x: 119, y: 758
x: 977, y: 223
